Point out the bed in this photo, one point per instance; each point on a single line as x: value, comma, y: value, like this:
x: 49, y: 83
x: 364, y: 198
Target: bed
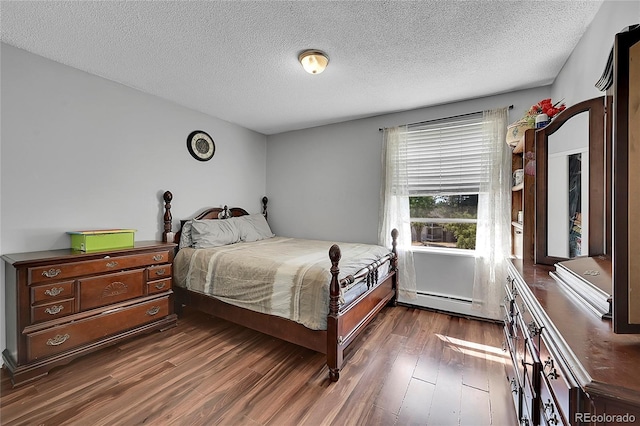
x: 308, y: 292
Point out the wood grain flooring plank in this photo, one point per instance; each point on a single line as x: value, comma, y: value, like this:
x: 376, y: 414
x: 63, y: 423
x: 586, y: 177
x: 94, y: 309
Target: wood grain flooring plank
x: 384, y: 372
x: 288, y: 376
x: 41, y: 409
x: 416, y: 405
x: 445, y: 405
x: 296, y: 409
x: 431, y: 354
x: 475, y: 352
x: 420, y: 332
x: 209, y: 409
x: 325, y: 409
x: 475, y: 408
x: 208, y: 371
x: 501, y: 401
x: 394, y: 388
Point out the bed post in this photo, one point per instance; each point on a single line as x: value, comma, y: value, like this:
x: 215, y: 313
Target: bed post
x: 265, y: 200
x: 394, y: 265
x: 167, y: 235
x: 334, y: 351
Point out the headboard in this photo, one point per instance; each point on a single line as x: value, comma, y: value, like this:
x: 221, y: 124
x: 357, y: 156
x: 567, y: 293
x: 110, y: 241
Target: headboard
x: 209, y: 213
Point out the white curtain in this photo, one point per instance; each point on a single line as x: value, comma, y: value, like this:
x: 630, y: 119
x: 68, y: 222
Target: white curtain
x: 493, y: 235
x: 394, y: 212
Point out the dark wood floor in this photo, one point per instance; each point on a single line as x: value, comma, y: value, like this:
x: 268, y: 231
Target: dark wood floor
x: 410, y: 366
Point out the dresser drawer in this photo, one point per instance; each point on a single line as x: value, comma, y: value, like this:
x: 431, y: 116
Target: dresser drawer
x: 560, y: 385
x: 106, y: 289
x: 43, y: 293
x: 510, y: 372
x: 62, y: 338
x: 158, y: 286
x: 550, y: 414
x: 528, y: 402
x: 53, y: 310
x: 158, y: 272
x: 63, y: 271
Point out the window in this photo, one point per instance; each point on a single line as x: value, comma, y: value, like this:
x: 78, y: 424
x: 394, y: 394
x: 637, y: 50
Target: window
x: 444, y: 172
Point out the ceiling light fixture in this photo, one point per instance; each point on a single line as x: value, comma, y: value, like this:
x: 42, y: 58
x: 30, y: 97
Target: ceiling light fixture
x: 313, y: 61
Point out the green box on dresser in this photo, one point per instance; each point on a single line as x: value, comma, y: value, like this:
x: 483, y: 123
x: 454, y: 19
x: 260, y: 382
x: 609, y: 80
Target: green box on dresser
x: 62, y: 304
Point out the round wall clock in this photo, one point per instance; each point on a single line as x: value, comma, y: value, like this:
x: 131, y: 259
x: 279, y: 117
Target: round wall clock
x: 200, y: 145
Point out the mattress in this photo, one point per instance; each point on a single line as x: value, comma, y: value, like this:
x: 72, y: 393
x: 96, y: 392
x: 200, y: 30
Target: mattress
x: 286, y: 277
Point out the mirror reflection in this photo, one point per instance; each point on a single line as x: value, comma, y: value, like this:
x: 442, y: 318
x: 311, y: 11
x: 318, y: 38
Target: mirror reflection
x: 568, y: 189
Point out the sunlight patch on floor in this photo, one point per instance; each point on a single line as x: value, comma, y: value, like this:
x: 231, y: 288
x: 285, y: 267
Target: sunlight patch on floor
x: 466, y: 347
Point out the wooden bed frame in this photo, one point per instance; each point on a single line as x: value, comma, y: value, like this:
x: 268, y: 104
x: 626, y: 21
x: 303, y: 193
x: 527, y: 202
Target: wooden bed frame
x: 344, y: 323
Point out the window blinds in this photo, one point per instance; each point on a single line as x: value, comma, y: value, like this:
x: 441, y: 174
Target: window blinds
x: 444, y: 156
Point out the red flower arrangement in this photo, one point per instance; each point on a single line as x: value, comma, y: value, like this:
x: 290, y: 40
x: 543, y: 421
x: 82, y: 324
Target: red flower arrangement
x: 544, y: 107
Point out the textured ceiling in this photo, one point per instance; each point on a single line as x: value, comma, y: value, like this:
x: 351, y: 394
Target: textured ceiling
x: 238, y: 60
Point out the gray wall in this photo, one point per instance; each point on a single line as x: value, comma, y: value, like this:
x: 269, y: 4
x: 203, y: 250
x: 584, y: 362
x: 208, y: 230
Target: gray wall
x: 81, y: 152
x: 576, y: 81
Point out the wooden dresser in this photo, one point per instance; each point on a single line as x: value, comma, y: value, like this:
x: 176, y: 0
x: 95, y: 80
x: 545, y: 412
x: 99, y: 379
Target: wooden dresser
x: 567, y: 367
x: 61, y: 304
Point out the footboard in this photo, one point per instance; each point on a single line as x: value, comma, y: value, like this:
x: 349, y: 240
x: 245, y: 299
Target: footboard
x: 343, y: 326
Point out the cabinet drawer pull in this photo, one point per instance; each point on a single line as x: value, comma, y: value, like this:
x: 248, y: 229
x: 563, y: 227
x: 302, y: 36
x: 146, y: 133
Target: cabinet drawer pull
x: 53, y: 310
x: 550, y: 411
x: 552, y: 373
x: 534, y: 329
x: 160, y: 271
x: 161, y: 285
x: 51, y: 273
x: 158, y: 257
x: 112, y: 264
x: 54, y: 291
x: 58, y: 340
x: 514, y: 385
x: 153, y: 310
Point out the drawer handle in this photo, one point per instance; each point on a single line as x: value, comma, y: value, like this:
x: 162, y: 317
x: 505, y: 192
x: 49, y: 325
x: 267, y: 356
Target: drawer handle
x: 514, y: 385
x: 160, y: 271
x: 53, y: 291
x: 158, y: 257
x: 54, y: 310
x: 58, y: 340
x: 112, y: 264
x: 552, y: 373
x: 534, y: 329
x: 550, y: 410
x: 51, y: 273
x: 161, y: 285
x: 153, y: 310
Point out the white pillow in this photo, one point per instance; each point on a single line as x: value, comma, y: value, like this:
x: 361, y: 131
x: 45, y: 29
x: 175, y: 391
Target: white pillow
x: 213, y: 233
x: 253, y: 227
x: 185, y: 236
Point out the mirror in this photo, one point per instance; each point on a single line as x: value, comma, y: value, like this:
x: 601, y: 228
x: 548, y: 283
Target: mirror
x: 570, y: 184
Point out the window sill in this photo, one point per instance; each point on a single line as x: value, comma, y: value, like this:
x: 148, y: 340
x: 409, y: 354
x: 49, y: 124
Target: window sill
x: 444, y: 251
